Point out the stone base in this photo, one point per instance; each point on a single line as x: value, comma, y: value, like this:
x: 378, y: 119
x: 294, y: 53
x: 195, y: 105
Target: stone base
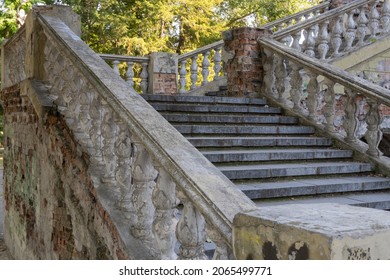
x: 312, y: 231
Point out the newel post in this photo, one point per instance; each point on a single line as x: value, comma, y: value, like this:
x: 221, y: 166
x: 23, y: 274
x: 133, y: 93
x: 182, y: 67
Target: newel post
x: 163, y: 73
x: 242, y: 60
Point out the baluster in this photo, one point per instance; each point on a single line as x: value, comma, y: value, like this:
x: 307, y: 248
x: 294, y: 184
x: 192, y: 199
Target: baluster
x: 362, y: 26
x: 115, y: 66
x: 217, y: 63
x: 164, y: 225
x: 205, y: 67
x: 373, y: 135
x: 95, y: 113
x: 350, y: 122
x: 312, y: 98
x: 183, y: 74
x: 269, y: 76
x: 374, y: 20
x: 323, y: 46
x: 194, y: 71
x: 222, y: 250
x: 296, y: 39
x: 280, y: 77
x: 351, y: 31
x: 109, y: 131
x: 190, y: 231
x: 143, y: 176
x: 130, y: 74
x: 144, y: 77
x: 329, y: 108
x: 296, y: 87
x: 311, y: 41
x: 386, y: 17
x: 85, y: 118
x: 336, y: 36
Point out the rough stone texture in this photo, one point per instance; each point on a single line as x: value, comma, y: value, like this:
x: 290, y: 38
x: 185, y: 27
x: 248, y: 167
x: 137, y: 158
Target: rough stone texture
x: 242, y: 58
x: 51, y: 210
x: 163, y: 73
x: 312, y: 231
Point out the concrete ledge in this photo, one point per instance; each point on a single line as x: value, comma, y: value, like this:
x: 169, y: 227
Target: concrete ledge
x: 312, y: 231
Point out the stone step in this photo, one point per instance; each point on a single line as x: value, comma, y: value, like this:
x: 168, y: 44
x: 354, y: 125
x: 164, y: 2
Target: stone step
x: 203, y: 99
x: 304, y: 187
x: 231, y: 118
x: 239, y: 130
x: 263, y: 171
x: 378, y: 200
x: 232, y: 155
x: 266, y: 141
x: 223, y: 108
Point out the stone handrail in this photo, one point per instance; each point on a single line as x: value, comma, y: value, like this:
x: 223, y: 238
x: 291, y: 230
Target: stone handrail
x: 287, y: 68
x: 339, y: 31
x: 286, y: 22
x: 141, y: 166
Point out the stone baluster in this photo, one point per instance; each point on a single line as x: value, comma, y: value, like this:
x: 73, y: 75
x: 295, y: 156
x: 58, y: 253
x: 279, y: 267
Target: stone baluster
x: 312, y: 97
x: 144, y: 77
x: 183, y: 74
x: 205, y: 67
x: 296, y: 87
x: 386, y: 17
x: 350, y: 122
x: 350, y: 34
x: 323, y: 46
x: 296, y: 40
x: 329, y: 108
x: 165, y: 221
x: 222, y: 250
x: 194, y: 71
x: 85, y: 118
x: 269, y: 75
x: 95, y: 132
x: 280, y: 78
x: 362, y: 28
x: 108, y: 133
x: 217, y: 62
x: 190, y: 231
x: 115, y: 66
x: 374, y: 20
x: 130, y: 73
x: 373, y: 134
x: 336, y: 36
x: 311, y: 41
x: 143, y: 176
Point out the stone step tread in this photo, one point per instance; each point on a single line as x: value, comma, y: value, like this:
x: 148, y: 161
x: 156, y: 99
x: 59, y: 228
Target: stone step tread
x: 257, y: 171
x: 379, y: 200
x: 204, y: 99
x: 301, y: 187
x: 247, y: 129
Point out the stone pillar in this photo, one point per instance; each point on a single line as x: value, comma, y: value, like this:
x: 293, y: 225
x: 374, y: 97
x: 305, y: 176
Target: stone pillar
x: 163, y: 73
x: 242, y: 61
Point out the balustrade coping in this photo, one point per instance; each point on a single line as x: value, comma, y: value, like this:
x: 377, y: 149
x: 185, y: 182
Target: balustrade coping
x: 125, y: 58
x: 321, y: 18
x: 200, y: 50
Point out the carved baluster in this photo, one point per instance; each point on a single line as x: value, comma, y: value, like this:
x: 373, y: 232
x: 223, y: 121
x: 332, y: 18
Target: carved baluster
x: 296, y: 39
x: 164, y: 225
x: 183, y: 74
x: 312, y: 97
x: 222, y: 250
x: 85, y: 118
x: 115, y: 66
x: 362, y: 28
x: 351, y: 31
x: 373, y: 135
x: 296, y: 87
x: 190, y: 231
x: 323, y: 46
x: 269, y: 76
x: 311, y: 41
x: 109, y: 130
x: 329, y: 108
x: 374, y: 20
x: 205, y: 67
x: 194, y: 71
x: 96, y: 133
x: 350, y: 122
x: 217, y: 63
x: 280, y: 78
x: 386, y: 17
x: 143, y: 175
x: 130, y: 74
x: 144, y: 77
x: 336, y: 36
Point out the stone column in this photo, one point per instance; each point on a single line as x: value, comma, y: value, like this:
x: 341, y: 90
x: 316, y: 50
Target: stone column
x: 242, y: 61
x: 163, y: 73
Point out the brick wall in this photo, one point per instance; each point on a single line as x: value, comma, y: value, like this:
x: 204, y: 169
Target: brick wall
x: 51, y: 210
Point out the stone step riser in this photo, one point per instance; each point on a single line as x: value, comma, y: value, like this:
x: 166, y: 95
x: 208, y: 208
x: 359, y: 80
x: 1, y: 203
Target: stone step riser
x: 203, y: 99
x: 187, y: 118
x: 247, y: 130
x: 216, y: 109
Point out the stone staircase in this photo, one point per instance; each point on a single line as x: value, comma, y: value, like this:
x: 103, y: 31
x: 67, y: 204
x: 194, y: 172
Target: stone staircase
x: 271, y: 157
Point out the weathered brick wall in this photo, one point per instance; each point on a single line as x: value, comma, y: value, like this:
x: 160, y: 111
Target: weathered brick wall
x: 51, y: 211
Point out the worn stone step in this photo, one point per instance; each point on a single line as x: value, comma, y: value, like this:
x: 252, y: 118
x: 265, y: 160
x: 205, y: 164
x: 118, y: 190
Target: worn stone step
x: 230, y: 155
x: 204, y: 99
x: 237, y: 119
x: 223, y: 108
x: 261, y: 141
x: 378, y: 200
x: 262, y: 171
x: 250, y: 129
x: 302, y: 187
